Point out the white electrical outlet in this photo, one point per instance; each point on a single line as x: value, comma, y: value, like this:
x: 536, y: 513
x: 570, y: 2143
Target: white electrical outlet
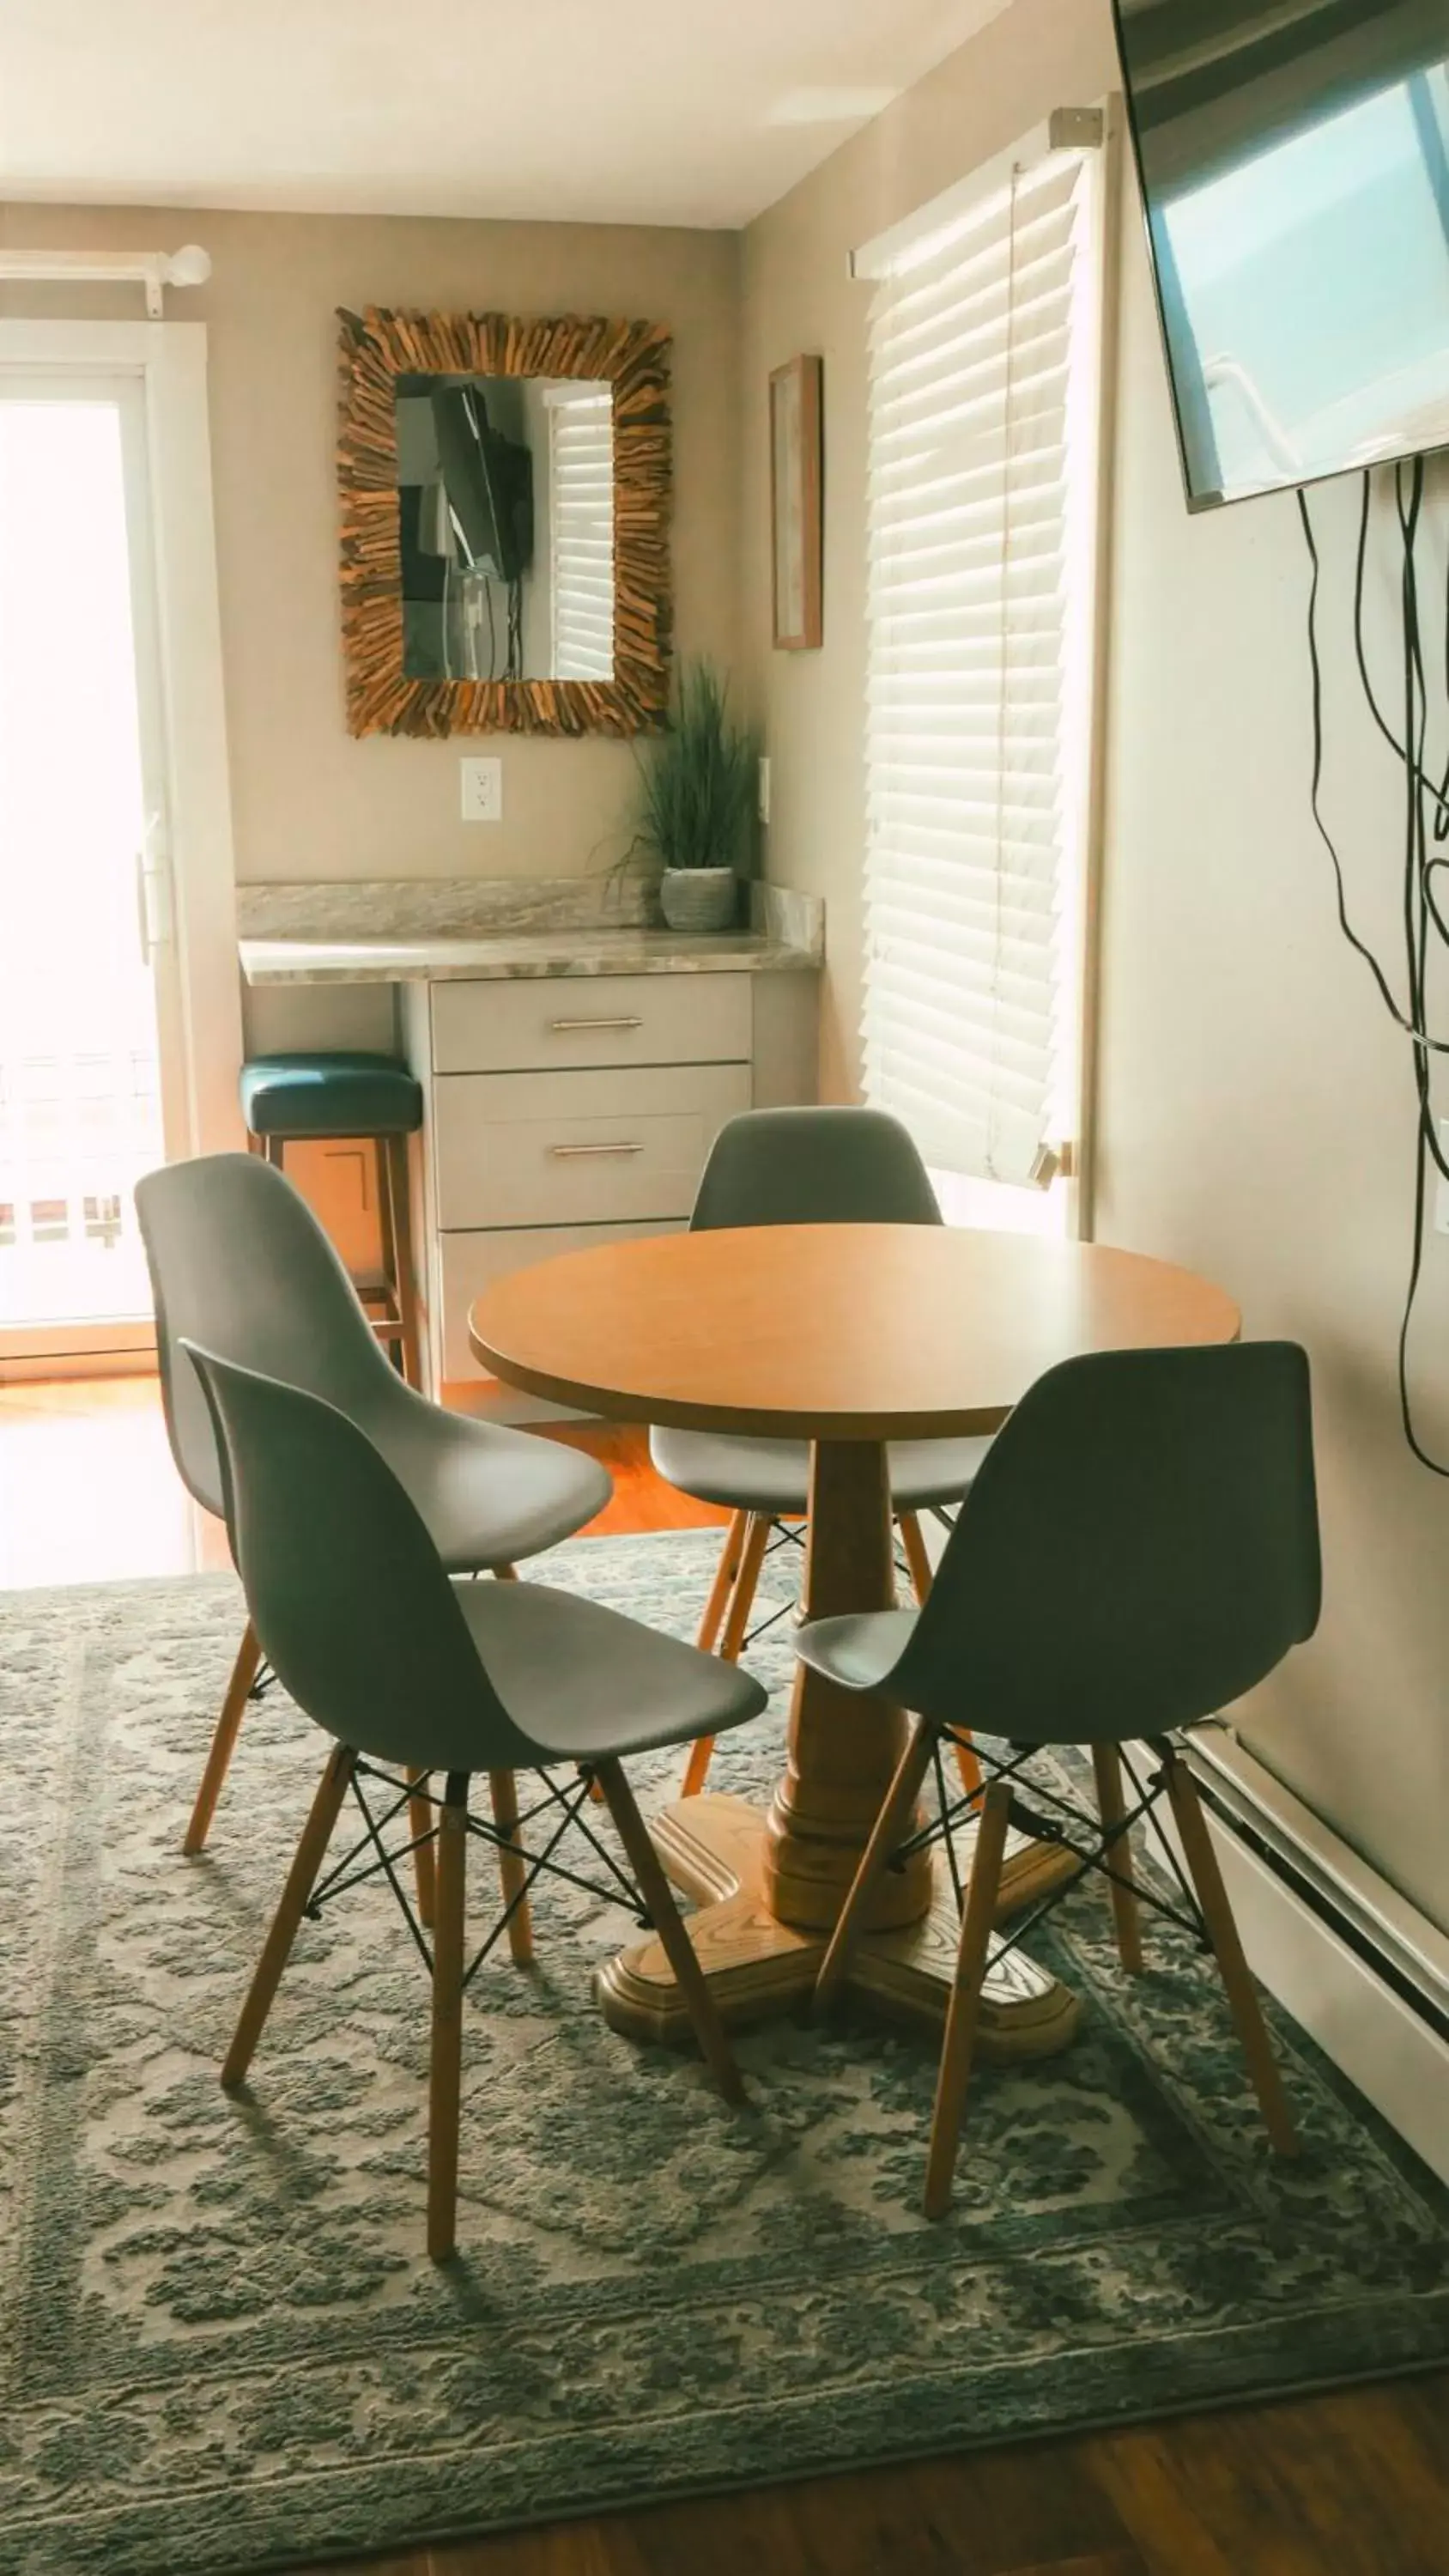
x: 1441, y: 1195
x: 482, y: 791
x: 764, y: 788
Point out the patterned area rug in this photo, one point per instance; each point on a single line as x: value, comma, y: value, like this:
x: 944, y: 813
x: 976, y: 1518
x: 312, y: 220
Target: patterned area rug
x: 222, y: 2346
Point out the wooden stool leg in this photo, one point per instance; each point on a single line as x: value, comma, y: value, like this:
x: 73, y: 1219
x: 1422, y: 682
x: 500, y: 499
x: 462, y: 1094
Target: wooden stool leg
x: 922, y: 1578
x: 301, y: 1879
x: 1237, y: 1979
x: 422, y: 1823
x: 218, y: 1760
x: 723, y: 1584
x: 678, y: 1948
x: 891, y: 1827
x: 964, y: 2008
x: 742, y: 1602
x: 446, y: 2077
x: 512, y: 1867
x: 1126, y: 1913
x: 394, y: 1153
x: 388, y: 1327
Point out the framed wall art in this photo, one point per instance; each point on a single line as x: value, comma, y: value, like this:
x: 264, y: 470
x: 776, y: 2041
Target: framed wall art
x: 796, y: 475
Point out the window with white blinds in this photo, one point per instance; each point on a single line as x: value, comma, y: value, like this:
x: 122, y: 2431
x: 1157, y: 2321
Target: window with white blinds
x: 581, y: 531
x: 985, y: 344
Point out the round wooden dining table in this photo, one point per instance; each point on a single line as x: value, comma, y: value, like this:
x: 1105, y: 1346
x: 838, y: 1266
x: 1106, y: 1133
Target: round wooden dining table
x: 848, y: 1337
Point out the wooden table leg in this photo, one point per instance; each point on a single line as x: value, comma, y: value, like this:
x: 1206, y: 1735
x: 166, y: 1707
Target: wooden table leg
x: 844, y: 1750
x: 769, y: 1888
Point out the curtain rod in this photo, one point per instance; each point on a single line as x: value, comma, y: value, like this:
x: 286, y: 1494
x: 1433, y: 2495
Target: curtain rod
x: 153, y: 269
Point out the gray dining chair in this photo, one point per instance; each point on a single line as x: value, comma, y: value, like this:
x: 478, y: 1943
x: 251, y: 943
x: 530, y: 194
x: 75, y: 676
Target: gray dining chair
x: 239, y: 1264
x: 415, y: 1672
x: 1140, y: 1548
x: 832, y: 1166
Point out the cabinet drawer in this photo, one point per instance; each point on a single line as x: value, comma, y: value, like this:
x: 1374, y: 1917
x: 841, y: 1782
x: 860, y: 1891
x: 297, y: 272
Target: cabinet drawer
x: 577, y: 1148
x: 546, y: 1021
x: 472, y: 1262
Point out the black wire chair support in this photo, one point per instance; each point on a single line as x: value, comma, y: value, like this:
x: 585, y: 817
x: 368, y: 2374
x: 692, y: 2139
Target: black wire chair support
x: 793, y: 1534
x: 568, y: 1804
x: 1091, y: 1854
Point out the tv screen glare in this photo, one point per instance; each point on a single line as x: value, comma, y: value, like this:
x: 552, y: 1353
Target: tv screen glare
x: 1294, y: 161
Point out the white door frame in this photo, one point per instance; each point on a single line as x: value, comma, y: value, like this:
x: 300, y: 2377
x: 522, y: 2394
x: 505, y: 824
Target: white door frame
x: 168, y: 359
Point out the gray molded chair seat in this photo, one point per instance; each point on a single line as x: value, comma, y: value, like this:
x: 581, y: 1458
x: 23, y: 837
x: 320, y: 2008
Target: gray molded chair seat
x: 802, y: 1167
x: 402, y: 1665
x: 239, y: 1264
x: 1139, y: 1549
x: 592, y: 1681
x: 720, y: 1466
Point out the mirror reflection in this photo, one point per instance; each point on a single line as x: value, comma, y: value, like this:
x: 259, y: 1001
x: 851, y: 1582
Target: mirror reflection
x: 506, y: 489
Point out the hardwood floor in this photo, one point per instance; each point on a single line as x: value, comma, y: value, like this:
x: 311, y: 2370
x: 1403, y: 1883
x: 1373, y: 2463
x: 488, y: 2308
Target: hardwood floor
x: 1353, y: 2484
x: 88, y: 1493
x: 1356, y: 2484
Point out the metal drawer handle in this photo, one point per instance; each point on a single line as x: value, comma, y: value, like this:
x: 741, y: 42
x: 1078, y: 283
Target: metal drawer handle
x: 566, y: 1153
x: 563, y: 1026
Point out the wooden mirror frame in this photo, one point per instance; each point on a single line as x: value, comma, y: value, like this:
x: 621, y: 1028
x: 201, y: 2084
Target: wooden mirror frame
x: 375, y: 348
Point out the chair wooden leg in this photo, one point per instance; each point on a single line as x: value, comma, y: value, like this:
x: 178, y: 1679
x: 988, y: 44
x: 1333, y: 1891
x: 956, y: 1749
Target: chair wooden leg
x: 218, y: 1760
x: 301, y: 1879
x: 1126, y: 1913
x: 512, y: 1867
x: 445, y: 2082
x: 913, y: 1541
x: 393, y: 1153
x: 678, y: 1948
x: 891, y: 1827
x: 422, y: 1822
x: 922, y: 1578
x: 737, y: 1620
x: 964, y: 2008
x: 1212, y: 1896
x: 723, y: 1584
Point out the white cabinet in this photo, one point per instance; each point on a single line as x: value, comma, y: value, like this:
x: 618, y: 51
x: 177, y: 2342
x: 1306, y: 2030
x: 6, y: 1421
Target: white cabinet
x: 568, y: 1110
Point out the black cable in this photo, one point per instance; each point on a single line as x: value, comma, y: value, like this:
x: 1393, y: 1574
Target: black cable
x: 1417, y: 916
x: 1438, y: 789
x: 1361, y: 946
x: 1420, y: 908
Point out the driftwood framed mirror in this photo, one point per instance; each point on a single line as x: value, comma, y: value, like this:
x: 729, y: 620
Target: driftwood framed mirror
x: 505, y: 490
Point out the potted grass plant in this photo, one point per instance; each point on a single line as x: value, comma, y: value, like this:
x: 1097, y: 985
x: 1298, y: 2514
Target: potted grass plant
x: 696, y: 804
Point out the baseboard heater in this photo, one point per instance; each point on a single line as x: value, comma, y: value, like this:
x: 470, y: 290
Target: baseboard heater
x: 1363, y: 1971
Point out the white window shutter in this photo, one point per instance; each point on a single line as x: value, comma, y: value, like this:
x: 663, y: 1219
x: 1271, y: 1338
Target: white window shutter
x: 581, y: 532
x: 984, y: 359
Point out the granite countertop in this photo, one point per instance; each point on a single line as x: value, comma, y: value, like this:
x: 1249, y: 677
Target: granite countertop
x: 457, y: 930
x: 501, y: 957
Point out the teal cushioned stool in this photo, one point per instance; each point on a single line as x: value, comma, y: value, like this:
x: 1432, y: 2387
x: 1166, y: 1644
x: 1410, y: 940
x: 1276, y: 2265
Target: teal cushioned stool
x: 288, y: 1098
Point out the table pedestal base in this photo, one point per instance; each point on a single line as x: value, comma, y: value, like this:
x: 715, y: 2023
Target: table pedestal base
x: 715, y: 1849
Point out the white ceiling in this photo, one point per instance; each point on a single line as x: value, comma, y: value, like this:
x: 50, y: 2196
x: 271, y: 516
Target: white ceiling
x: 627, y: 111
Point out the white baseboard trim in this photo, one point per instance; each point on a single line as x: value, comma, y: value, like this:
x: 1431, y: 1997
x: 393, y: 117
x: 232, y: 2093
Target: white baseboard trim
x: 1379, y: 2040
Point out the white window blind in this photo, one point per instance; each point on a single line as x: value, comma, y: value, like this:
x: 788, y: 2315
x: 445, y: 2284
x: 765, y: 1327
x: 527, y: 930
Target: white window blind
x: 984, y: 387
x: 581, y: 532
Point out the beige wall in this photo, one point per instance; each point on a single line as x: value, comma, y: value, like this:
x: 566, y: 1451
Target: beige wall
x: 798, y: 295
x: 1255, y: 1110
x: 310, y: 802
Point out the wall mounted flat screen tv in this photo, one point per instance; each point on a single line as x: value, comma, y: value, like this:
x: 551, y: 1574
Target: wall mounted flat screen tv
x: 1294, y: 159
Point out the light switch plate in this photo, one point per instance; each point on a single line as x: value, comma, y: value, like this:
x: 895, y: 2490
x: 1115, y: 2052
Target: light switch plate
x: 482, y: 791
x: 1441, y: 1194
